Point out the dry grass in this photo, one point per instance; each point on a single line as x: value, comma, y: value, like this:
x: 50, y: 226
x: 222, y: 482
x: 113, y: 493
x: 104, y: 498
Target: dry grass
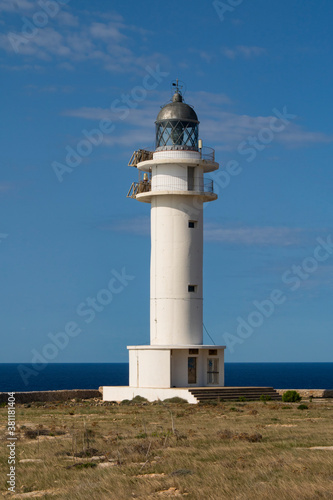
x: 242, y: 451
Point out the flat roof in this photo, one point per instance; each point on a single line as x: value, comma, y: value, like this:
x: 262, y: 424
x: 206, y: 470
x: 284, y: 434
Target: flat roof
x: 189, y: 346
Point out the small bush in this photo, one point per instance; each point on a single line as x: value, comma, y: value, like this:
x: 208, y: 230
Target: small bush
x: 2, y: 405
x: 139, y: 399
x: 242, y: 436
x: 302, y: 407
x: 34, y: 433
x: 141, y: 435
x: 242, y: 398
x: 175, y: 400
x: 212, y: 402
x: 265, y: 397
x: 87, y: 452
x: 225, y: 434
x: 236, y: 409
x: 291, y: 397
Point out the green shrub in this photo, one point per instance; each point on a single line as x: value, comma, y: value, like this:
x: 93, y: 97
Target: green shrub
x: 265, y: 397
x: 139, y: 399
x: 84, y: 465
x: 175, y: 400
x: 291, y: 397
x: 141, y: 435
x: 302, y: 407
x: 212, y: 402
x: 242, y: 398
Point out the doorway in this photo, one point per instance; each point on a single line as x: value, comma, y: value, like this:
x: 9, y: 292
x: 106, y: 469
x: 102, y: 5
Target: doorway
x: 192, y: 370
x: 213, y: 371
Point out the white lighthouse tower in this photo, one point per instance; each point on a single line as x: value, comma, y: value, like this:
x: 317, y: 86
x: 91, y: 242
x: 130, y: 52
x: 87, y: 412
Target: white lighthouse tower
x: 172, y: 180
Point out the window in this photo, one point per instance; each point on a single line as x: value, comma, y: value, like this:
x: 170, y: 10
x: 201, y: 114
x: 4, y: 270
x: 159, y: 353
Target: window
x: 192, y: 288
x: 192, y: 223
x: 213, y: 371
x: 190, y: 178
x: 193, y: 351
x: 212, y: 352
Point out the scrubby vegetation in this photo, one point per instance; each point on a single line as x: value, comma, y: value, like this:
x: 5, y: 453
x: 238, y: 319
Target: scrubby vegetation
x: 291, y: 397
x: 239, y: 450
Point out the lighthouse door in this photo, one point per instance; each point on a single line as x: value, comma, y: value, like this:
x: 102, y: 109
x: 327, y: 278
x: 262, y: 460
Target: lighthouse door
x: 212, y: 371
x: 192, y: 370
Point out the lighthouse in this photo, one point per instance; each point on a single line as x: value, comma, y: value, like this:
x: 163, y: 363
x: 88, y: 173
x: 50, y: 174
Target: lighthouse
x: 173, y: 180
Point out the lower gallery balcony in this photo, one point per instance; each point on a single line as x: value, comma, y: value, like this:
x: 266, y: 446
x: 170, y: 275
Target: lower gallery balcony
x: 164, y: 184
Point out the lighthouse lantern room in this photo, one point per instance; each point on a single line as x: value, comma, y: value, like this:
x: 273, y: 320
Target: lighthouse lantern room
x: 172, y: 180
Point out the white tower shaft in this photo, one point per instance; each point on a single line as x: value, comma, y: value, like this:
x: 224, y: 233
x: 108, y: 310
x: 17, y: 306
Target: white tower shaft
x: 176, y: 290
x: 176, y: 270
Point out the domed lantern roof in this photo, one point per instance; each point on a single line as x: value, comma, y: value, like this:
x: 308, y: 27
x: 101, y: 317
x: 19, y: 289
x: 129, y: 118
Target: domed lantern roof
x: 177, y: 110
x: 177, y: 126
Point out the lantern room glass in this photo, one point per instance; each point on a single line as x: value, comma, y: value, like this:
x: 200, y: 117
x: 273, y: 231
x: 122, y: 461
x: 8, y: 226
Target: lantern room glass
x: 176, y: 134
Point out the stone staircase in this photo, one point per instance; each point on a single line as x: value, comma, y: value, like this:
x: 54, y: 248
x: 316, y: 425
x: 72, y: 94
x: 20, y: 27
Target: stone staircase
x: 233, y: 393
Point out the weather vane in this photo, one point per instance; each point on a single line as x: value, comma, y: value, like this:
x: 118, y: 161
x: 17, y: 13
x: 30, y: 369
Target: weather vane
x: 176, y: 84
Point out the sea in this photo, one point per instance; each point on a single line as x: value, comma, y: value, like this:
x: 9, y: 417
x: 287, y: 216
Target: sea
x: 57, y: 376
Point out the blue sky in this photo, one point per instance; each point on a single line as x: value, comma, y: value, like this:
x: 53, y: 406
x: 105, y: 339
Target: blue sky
x: 66, y: 231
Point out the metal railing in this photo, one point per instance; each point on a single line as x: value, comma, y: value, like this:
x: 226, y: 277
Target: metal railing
x: 207, y: 153
x: 169, y: 183
x: 140, y: 155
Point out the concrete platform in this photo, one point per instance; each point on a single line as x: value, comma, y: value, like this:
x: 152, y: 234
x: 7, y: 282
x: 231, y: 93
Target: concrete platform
x: 192, y: 395
x: 119, y: 393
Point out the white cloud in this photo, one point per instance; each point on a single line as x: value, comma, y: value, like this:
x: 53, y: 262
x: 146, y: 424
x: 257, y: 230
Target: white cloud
x: 142, y: 139
x: 106, y: 32
x: 22, y: 67
x: 295, y: 136
x: 225, y: 129
x: 64, y: 39
x: 258, y: 236
x: 203, y: 54
x: 249, y: 236
x: 67, y: 19
x: 66, y: 66
x: 51, y: 89
x: 136, y: 225
x: 5, y: 187
x: 244, y: 51
x: 17, y: 6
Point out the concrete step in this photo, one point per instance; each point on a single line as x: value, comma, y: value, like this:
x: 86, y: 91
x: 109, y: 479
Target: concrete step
x: 233, y: 393
x: 234, y: 398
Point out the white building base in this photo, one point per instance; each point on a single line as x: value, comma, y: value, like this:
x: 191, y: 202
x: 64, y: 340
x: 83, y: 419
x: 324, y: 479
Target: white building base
x: 176, y: 366
x: 159, y: 372
x: 150, y: 393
